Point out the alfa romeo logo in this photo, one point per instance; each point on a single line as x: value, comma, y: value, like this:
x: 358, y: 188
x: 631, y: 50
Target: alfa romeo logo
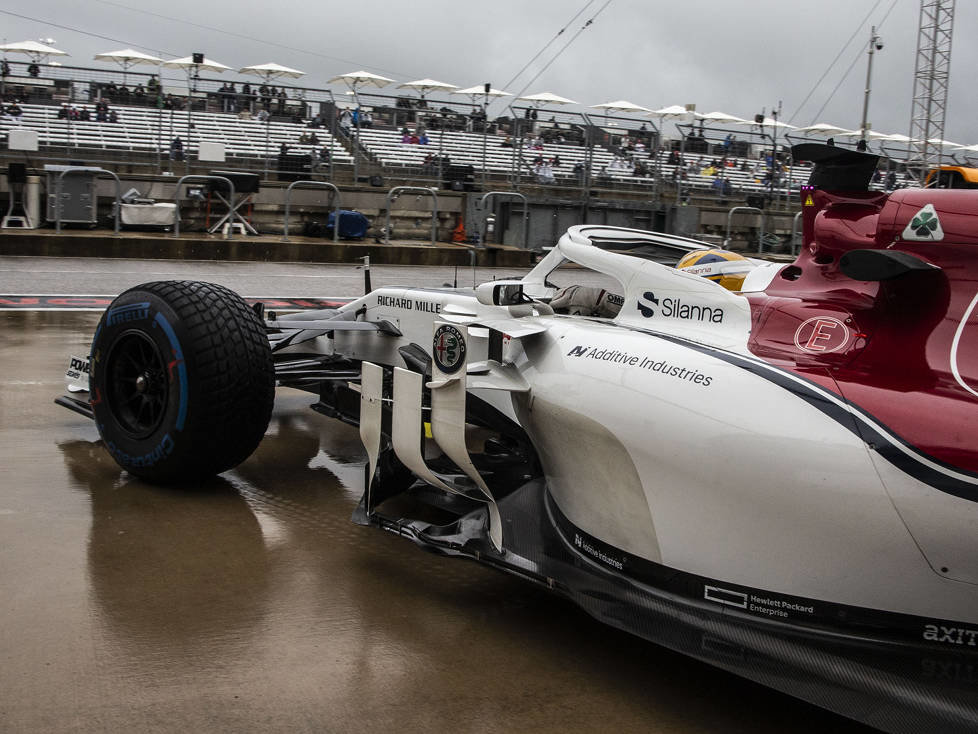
x: 448, y: 348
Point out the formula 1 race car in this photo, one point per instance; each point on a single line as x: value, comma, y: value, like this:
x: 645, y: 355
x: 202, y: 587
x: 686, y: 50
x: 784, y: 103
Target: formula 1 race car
x: 769, y: 467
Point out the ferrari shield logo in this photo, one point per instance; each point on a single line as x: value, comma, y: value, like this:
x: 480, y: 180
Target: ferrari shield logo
x: 924, y: 227
x: 448, y: 348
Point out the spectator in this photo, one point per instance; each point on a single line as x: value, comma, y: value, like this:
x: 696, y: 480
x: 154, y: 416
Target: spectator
x: 283, y: 149
x: 324, y: 157
x: 15, y: 111
x: 304, y: 139
x: 891, y: 181
x: 153, y: 86
x: 262, y: 115
x: 85, y: 115
x: 245, y: 100
x: 176, y: 149
x: 414, y: 139
x: 33, y: 70
x: 263, y: 94
x: 313, y: 139
x: 507, y: 142
x: 405, y: 136
x: 139, y: 93
x: 545, y: 174
x: 366, y: 120
x: 63, y: 112
x: 555, y: 162
x: 113, y: 116
x: 4, y: 68
x: 124, y: 94
x: 423, y: 139
x: 282, y: 99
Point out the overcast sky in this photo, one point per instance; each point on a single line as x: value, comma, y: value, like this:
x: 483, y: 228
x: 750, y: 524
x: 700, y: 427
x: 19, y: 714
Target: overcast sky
x: 738, y: 56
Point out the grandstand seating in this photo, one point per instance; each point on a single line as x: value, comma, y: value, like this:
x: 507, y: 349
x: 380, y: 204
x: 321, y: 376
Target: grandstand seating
x: 146, y: 130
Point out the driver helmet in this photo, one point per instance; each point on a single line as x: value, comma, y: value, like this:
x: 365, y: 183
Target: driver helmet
x: 721, y: 266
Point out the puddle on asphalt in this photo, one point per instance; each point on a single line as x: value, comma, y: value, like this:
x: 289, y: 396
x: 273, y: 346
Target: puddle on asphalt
x: 252, y: 602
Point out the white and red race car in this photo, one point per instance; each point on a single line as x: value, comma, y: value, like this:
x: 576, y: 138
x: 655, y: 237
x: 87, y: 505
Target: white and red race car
x: 781, y: 479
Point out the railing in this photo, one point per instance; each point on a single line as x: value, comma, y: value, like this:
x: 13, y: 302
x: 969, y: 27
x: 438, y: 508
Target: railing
x: 195, y: 177
x: 392, y: 197
x: 59, y: 192
x: 308, y: 183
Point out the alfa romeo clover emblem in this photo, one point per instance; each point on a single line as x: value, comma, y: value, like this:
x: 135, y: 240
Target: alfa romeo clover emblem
x: 448, y: 348
x: 924, y: 226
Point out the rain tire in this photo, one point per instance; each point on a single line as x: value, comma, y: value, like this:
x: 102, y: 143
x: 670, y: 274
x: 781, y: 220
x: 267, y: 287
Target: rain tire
x: 182, y: 380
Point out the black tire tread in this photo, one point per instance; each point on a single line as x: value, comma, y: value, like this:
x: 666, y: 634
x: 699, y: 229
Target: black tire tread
x: 233, y: 388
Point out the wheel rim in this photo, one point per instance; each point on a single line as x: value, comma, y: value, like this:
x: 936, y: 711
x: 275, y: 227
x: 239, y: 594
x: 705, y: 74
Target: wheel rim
x: 137, y: 387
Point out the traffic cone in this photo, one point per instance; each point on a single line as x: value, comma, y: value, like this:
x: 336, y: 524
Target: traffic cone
x: 458, y: 235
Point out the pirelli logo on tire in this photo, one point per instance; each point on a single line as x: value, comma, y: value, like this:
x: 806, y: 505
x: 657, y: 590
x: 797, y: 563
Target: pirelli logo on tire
x: 130, y: 312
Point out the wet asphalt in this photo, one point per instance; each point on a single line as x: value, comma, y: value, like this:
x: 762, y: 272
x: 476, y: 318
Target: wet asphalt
x: 253, y: 604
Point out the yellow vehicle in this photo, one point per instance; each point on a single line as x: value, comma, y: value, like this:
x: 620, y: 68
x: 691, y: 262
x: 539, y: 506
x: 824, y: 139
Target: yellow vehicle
x: 952, y: 177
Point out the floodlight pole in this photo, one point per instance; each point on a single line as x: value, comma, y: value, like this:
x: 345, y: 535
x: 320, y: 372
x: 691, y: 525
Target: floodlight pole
x: 268, y: 123
x: 356, y: 135
x: 874, y: 45
x: 485, y: 128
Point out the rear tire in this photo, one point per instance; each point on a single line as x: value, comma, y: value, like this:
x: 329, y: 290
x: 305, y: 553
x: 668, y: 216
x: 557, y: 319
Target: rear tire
x: 182, y: 380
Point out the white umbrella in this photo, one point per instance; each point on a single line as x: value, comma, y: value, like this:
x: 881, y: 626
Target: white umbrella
x: 356, y: 79
x: 898, y: 138
x: 428, y: 85
x: 188, y: 63
x: 35, y: 50
x: 272, y: 71
x: 824, y: 128
x: 720, y: 117
x: 353, y: 80
x: 675, y: 110
x: 480, y: 90
x: 127, y: 58
x: 267, y: 72
x: 769, y: 122
x: 947, y: 143
x: 621, y: 105
x: 547, y: 98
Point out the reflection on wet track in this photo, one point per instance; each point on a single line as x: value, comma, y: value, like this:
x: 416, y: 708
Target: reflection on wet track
x: 252, y: 603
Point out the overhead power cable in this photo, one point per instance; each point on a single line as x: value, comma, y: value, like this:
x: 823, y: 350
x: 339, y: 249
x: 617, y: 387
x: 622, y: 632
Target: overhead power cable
x: 838, y: 56
x: 853, y: 64
x: 564, y: 48
x: 547, y: 45
x: 130, y: 44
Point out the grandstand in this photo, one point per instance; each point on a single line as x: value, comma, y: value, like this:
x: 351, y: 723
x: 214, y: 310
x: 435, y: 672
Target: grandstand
x: 622, y: 160
x: 147, y: 130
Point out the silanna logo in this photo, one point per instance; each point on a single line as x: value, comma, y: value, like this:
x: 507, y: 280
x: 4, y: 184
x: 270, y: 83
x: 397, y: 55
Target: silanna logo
x: 674, y: 308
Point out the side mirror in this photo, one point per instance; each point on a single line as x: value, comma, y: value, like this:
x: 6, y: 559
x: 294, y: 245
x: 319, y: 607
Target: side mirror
x: 501, y: 293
